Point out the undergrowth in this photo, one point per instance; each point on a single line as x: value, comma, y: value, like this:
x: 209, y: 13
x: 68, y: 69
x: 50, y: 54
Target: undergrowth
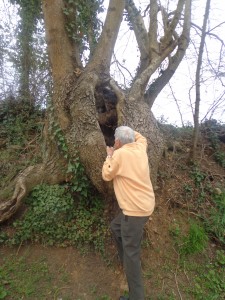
x: 54, y: 216
x: 208, y: 282
x: 18, y: 122
x: 212, y: 129
x: 209, y: 279
x: 195, y: 241
x: 21, y: 280
x: 215, y: 222
x: 20, y: 136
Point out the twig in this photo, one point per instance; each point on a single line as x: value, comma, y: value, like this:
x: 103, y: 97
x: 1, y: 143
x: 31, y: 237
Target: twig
x: 162, y: 285
x: 186, y: 276
x: 17, y: 252
x: 56, y: 292
x: 177, y: 286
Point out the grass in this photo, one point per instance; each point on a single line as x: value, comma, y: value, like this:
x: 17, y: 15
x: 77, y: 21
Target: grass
x: 208, y: 282
x: 30, y: 277
x: 21, y: 279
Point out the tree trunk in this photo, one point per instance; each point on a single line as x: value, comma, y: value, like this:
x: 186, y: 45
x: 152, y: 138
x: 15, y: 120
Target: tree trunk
x: 51, y: 171
x: 83, y: 135
x: 89, y: 105
x: 198, y: 85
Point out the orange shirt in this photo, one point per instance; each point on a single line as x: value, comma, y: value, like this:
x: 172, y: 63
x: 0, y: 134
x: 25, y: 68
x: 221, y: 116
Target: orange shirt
x: 129, y: 170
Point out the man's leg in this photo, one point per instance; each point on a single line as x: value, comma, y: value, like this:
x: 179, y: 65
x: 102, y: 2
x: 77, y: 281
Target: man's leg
x: 115, y: 227
x: 132, y: 232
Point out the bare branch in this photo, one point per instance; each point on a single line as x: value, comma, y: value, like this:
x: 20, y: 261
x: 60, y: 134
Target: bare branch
x: 178, y: 107
x: 216, y: 26
x: 182, y: 44
x: 139, y: 28
x: 153, y: 30
x: 177, y: 16
x: 171, y: 25
x: 120, y: 66
x: 103, y: 53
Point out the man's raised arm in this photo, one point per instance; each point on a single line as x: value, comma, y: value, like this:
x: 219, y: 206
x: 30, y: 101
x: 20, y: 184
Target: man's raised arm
x: 140, y: 139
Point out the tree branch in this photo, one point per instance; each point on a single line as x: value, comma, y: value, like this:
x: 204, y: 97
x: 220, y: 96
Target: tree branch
x: 59, y: 45
x: 169, y: 31
x: 103, y: 53
x: 140, y: 31
x: 183, y: 41
x: 153, y: 30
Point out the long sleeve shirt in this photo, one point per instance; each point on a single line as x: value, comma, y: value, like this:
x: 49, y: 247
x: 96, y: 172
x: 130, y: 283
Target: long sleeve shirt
x: 129, y: 169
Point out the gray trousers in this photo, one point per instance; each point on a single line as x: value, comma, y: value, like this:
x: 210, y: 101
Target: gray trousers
x: 128, y: 232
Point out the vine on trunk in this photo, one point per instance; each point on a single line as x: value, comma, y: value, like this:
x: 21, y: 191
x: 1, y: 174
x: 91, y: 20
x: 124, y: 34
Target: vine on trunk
x: 83, y: 25
x: 76, y: 175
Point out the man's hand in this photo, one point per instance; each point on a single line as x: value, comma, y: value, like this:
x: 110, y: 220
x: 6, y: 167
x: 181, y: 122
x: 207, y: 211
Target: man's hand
x: 109, y: 151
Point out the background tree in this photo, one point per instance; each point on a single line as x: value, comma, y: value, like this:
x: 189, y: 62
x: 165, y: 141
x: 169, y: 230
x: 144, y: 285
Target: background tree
x: 183, y: 82
x: 198, y: 83
x: 87, y: 103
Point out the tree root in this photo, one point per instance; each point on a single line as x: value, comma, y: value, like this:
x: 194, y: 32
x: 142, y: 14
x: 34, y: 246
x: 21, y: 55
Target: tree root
x: 51, y: 173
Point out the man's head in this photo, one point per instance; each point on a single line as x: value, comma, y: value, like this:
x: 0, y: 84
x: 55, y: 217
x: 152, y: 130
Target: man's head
x: 123, y: 135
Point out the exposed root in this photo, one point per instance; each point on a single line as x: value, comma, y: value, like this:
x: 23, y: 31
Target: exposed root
x: 24, y: 183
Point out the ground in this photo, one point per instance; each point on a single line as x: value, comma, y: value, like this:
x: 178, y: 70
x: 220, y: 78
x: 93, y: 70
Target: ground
x: 71, y: 274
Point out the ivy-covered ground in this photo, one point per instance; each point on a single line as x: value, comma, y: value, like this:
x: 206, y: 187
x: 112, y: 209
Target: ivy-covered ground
x: 58, y: 246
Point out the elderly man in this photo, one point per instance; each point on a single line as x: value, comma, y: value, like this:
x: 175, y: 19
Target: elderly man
x: 127, y: 165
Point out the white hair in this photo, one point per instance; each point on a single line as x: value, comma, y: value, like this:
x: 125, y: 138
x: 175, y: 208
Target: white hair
x: 125, y: 135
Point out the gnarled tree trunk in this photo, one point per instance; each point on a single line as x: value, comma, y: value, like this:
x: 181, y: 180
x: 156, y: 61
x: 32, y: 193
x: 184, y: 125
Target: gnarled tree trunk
x: 89, y: 104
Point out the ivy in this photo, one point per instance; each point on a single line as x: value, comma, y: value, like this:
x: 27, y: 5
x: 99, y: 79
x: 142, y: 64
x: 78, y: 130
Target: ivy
x: 54, y: 218
x: 83, y: 25
x: 29, y: 12
x: 79, y: 182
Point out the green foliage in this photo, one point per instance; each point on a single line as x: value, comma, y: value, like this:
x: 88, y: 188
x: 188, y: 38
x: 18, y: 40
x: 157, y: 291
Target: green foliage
x: 215, y: 223
x: 83, y: 25
x: 18, y: 122
x: 219, y: 155
x: 188, y: 190
x: 220, y: 158
x: 19, y: 279
x: 20, y: 135
x: 212, y: 128
x: 210, y: 282
x: 198, y: 176
x: 79, y: 181
x: 3, y: 237
x: 195, y: 241
x: 25, y: 57
x: 200, y: 185
x: 53, y: 217
x: 175, y: 230
x: 105, y: 297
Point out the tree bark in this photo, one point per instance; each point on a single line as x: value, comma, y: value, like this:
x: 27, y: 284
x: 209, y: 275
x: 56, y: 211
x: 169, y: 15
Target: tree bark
x: 51, y: 171
x: 79, y: 92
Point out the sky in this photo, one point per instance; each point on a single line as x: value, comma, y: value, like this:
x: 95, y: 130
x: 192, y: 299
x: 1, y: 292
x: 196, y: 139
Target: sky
x: 181, y: 85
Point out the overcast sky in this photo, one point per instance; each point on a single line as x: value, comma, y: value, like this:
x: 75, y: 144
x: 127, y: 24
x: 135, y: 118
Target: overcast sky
x: 181, y: 83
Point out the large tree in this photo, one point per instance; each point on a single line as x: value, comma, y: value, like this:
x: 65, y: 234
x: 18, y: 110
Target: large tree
x: 87, y: 103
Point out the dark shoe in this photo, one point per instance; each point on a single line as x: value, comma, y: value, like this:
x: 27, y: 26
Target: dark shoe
x: 123, y: 298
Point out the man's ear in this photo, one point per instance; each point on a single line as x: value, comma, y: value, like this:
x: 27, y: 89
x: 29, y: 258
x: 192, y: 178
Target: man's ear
x: 117, y: 144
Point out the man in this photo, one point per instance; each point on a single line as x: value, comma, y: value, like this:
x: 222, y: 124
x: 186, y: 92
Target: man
x: 127, y: 165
